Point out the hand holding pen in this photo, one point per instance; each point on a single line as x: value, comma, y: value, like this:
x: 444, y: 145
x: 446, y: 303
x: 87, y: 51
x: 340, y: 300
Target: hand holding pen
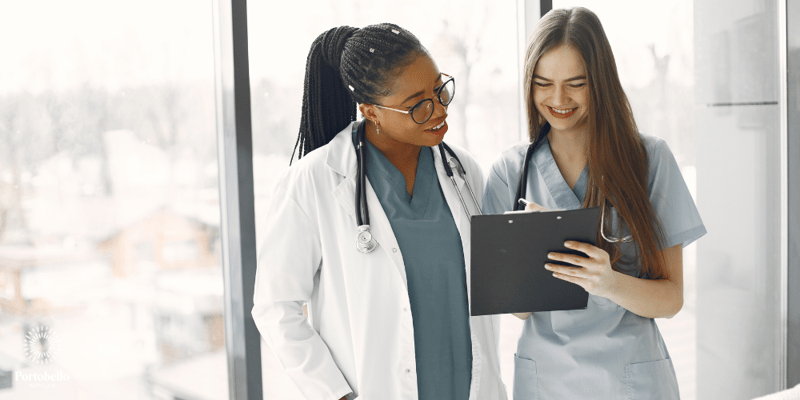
x: 531, y: 206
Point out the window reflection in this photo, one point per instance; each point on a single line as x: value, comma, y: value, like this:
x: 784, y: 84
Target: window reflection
x: 109, y: 214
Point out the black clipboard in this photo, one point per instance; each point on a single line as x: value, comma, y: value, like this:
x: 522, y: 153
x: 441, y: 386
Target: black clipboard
x: 508, y: 256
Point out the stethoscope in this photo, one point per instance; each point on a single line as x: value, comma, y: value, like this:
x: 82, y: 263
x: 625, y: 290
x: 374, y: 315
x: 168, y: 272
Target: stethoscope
x: 365, y: 243
x: 522, y: 188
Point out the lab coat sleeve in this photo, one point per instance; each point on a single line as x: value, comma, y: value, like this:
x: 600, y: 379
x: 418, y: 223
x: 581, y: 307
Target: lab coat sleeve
x: 289, y: 259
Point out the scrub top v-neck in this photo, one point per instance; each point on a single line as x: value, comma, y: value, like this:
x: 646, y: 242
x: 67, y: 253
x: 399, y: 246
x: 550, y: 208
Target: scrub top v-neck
x: 605, y: 351
x: 434, y: 260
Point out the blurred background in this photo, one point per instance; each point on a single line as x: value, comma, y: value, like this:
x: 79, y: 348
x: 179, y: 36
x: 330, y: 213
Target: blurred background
x: 110, y: 259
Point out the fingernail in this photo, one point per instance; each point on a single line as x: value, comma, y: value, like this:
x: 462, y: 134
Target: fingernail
x: 551, y: 255
x: 568, y: 244
x: 547, y: 266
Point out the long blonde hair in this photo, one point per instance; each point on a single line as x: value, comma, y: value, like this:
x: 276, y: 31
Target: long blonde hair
x: 618, y: 165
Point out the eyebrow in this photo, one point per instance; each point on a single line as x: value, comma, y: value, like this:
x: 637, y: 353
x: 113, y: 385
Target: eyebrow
x: 574, y: 78
x: 421, y: 92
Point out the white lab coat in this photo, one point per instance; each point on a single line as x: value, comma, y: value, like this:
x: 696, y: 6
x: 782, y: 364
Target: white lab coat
x: 359, y: 336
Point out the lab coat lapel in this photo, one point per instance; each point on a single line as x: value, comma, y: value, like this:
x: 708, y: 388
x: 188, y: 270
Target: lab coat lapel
x: 342, y: 159
x: 459, y: 216
x: 563, y: 196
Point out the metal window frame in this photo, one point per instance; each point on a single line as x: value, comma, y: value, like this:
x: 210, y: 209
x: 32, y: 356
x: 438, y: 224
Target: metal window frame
x: 789, y: 18
x: 544, y: 7
x: 528, y: 14
x: 235, y: 158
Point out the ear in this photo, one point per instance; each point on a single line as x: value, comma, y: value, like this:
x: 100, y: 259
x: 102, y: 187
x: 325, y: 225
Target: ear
x: 369, y: 111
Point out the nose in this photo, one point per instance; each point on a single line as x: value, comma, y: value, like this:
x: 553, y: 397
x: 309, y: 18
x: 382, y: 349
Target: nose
x: 438, y: 109
x: 560, y: 96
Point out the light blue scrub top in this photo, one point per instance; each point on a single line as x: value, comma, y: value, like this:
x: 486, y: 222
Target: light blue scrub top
x: 435, y: 271
x: 605, y: 351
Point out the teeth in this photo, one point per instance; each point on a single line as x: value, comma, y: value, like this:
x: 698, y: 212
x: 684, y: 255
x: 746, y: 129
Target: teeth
x: 562, y: 111
x: 437, y: 127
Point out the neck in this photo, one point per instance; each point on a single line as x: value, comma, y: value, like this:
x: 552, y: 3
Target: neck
x: 570, y: 145
x: 403, y: 156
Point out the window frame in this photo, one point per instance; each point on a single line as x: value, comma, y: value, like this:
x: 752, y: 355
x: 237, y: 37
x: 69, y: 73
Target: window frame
x: 237, y: 209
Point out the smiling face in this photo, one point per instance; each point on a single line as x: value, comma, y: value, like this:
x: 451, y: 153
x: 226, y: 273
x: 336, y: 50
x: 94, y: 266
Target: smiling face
x: 418, y: 81
x: 561, y: 89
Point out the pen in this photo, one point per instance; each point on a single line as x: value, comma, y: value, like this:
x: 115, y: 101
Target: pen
x: 523, y: 202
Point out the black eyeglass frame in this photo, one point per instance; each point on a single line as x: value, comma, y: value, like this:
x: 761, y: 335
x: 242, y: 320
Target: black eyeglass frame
x: 421, y: 103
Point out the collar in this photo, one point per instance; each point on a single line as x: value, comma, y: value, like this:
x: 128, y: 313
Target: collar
x: 341, y: 154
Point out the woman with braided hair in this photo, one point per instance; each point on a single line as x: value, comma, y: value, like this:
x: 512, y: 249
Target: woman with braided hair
x: 388, y: 310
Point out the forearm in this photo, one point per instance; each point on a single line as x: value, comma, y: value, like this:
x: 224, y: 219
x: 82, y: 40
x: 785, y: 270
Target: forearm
x: 660, y: 298
x: 649, y: 298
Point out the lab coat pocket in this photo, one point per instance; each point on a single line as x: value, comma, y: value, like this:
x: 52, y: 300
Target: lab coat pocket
x: 654, y: 380
x: 526, y: 383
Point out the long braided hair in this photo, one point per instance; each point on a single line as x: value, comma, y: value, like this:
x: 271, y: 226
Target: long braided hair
x: 346, y: 66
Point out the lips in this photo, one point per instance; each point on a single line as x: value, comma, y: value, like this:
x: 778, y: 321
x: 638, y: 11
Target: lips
x: 440, y: 128
x: 437, y: 127
x: 561, y: 113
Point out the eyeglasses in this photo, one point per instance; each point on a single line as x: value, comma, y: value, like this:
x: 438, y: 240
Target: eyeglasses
x: 611, y: 239
x: 422, y: 111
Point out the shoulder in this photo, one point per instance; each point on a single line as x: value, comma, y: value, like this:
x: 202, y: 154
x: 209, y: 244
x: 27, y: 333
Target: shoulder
x: 307, y: 173
x: 305, y: 168
x: 501, y: 184
x: 509, y: 161
x: 655, y: 146
x: 659, y: 155
x: 663, y: 169
x: 513, y: 152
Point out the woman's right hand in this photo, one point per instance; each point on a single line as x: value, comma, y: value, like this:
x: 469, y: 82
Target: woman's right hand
x: 534, y: 207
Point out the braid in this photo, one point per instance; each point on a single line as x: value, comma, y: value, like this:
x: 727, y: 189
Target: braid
x: 346, y: 66
x: 326, y: 103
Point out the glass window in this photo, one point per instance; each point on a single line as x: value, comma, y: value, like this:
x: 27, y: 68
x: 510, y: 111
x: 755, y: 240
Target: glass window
x: 110, y: 277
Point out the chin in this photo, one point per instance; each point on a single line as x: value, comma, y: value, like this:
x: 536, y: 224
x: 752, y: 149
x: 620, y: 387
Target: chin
x: 576, y: 122
x: 433, y: 142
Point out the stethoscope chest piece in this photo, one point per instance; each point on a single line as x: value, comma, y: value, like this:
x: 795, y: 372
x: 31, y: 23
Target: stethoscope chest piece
x: 365, y: 243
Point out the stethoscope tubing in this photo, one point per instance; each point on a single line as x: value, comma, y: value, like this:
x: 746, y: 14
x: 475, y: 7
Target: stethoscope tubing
x: 522, y: 188
x: 365, y: 243
x: 362, y: 214
x: 448, y: 168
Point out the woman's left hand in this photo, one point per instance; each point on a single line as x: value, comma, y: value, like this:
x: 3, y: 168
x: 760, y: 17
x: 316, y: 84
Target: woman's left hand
x: 596, y: 275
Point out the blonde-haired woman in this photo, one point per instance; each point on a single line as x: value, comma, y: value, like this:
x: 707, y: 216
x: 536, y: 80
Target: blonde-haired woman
x: 585, y: 151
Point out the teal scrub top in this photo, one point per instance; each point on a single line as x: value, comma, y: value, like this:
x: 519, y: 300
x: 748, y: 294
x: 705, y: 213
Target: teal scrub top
x: 436, y: 274
x: 605, y: 351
